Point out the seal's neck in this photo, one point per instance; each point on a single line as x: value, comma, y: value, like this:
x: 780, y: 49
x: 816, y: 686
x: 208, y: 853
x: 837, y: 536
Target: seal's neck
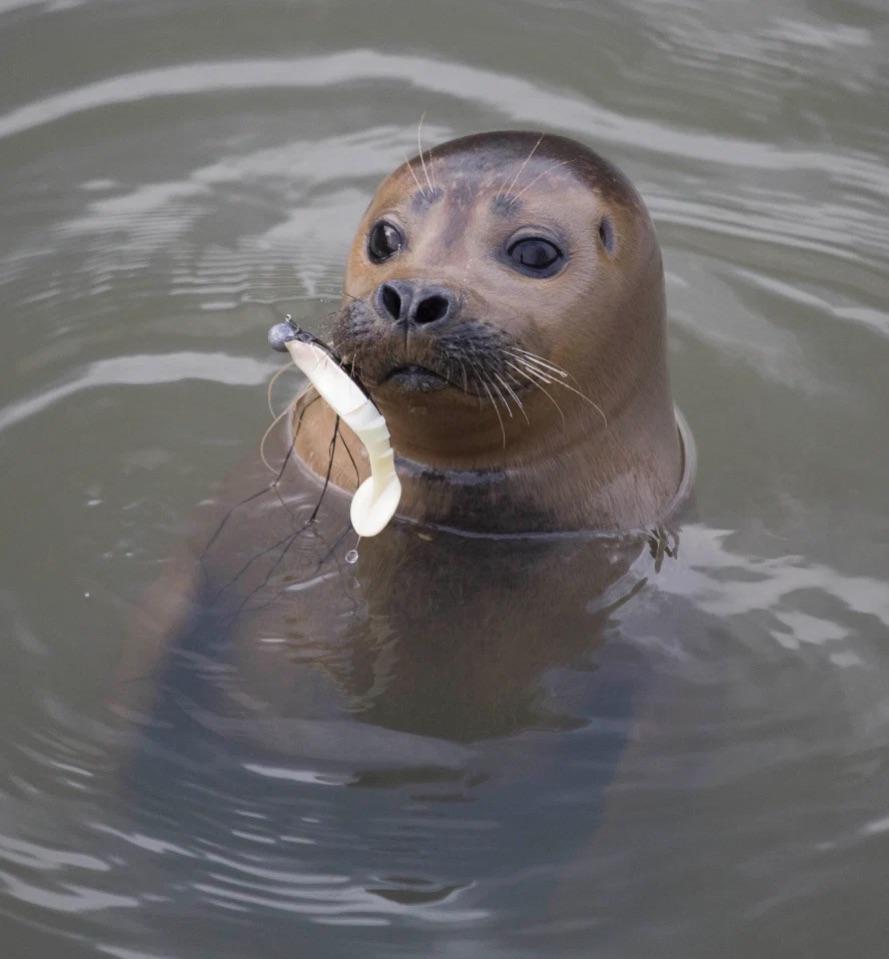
x: 619, y: 478
x: 615, y: 478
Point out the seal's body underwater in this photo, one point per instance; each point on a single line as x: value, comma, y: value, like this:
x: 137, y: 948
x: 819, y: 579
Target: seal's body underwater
x: 504, y: 307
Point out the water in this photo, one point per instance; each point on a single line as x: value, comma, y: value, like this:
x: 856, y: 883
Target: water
x: 699, y: 773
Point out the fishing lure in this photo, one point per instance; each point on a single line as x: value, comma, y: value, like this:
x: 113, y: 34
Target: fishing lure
x: 376, y: 499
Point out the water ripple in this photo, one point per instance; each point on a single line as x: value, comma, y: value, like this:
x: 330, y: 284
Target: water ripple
x: 512, y: 95
x: 141, y: 370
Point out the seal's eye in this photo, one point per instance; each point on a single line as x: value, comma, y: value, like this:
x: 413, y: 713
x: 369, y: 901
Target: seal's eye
x: 385, y: 240
x: 535, y: 256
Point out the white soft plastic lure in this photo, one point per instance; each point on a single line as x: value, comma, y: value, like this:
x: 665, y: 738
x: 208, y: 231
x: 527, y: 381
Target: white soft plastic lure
x: 377, y: 498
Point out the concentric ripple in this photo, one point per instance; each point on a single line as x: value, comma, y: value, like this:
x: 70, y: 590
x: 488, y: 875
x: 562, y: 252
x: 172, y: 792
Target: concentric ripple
x: 708, y: 780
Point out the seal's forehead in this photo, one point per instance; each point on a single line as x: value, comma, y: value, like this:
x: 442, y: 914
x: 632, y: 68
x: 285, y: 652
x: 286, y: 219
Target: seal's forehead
x: 508, y: 163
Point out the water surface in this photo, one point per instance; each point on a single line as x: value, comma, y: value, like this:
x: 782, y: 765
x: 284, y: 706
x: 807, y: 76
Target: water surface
x: 702, y: 771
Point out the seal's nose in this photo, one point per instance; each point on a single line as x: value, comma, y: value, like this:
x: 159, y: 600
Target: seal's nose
x: 405, y: 302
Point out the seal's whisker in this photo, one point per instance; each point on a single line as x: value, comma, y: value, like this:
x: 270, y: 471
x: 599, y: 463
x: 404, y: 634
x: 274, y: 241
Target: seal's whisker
x: 543, y: 173
x: 549, y: 396
x: 514, y: 380
x: 540, y: 361
x: 410, y: 167
x: 583, y: 396
x: 484, y: 386
x: 499, y: 392
x: 519, y: 404
x: 545, y: 376
x: 515, y: 179
x: 422, y: 159
x: 503, y: 399
x: 481, y: 372
x: 571, y: 389
x: 545, y: 368
x: 355, y: 364
x: 465, y: 377
x: 530, y: 377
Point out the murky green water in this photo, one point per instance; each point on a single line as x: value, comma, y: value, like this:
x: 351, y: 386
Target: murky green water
x: 709, y: 781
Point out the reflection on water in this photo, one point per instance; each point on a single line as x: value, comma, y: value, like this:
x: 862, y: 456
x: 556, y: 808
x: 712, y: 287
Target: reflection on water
x: 452, y: 749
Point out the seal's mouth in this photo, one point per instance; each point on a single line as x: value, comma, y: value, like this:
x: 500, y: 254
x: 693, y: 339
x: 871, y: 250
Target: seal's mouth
x: 474, y: 360
x: 412, y: 378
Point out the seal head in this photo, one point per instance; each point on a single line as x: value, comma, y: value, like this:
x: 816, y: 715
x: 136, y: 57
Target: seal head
x: 504, y: 307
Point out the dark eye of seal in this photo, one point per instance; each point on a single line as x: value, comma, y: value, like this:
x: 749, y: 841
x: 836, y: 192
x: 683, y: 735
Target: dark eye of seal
x: 535, y: 256
x: 385, y: 240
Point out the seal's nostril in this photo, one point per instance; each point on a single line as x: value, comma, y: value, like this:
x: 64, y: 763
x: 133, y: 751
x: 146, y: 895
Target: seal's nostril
x: 391, y: 301
x: 404, y: 301
x: 430, y: 309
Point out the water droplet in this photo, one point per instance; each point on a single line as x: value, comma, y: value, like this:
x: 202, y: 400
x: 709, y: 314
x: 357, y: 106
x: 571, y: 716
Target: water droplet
x: 288, y: 317
x: 352, y: 557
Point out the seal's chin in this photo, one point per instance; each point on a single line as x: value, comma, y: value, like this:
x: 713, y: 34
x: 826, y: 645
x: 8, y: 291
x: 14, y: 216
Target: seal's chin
x: 411, y: 378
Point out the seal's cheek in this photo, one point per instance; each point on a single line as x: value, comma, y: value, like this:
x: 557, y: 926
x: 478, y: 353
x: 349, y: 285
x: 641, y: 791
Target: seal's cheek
x: 554, y: 296
x: 361, y: 279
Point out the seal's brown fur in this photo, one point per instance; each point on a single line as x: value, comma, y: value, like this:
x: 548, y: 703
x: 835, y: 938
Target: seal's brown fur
x: 505, y: 446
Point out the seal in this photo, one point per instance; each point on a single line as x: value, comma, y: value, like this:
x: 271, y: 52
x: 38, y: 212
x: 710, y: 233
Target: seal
x: 504, y: 311
x: 504, y: 308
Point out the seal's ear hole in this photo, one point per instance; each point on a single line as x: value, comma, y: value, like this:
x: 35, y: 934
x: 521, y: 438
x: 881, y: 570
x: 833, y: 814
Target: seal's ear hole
x: 606, y: 233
